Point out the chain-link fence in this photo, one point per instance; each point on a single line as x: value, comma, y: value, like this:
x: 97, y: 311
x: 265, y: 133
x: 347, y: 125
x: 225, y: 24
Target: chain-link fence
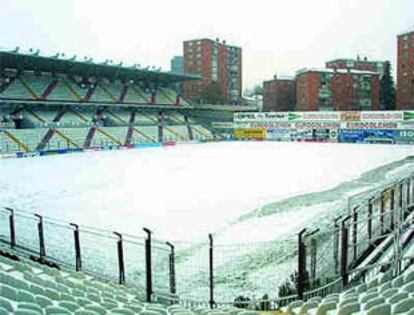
x: 374, y: 233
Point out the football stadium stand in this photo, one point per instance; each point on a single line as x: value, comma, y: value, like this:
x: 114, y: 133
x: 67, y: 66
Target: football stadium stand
x: 51, y: 103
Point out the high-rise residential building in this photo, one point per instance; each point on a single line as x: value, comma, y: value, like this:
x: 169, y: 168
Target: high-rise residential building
x: 220, y: 67
x: 405, y: 70
x: 337, y: 89
x: 177, y: 64
x: 279, y: 95
x: 357, y: 64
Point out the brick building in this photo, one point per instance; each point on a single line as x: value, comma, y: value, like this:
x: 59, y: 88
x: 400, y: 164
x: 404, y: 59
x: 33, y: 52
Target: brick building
x: 357, y: 64
x: 405, y: 70
x: 329, y: 89
x: 279, y: 95
x: 219, y: 65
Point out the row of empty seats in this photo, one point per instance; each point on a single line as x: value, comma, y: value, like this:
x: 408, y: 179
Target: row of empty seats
x: 380, y: 296
x: 75, y: 118
x: 29, y: 288
x: 30, y: 86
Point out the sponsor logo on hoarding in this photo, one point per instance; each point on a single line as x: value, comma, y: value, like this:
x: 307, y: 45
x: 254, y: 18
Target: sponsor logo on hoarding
x: 404, y: 135
x: 371, y: 125
x: 381, y: 116
x: 366, y: 135
x: 333, y: 134
x: 408, y: 115
x: 250, y: 133
x: 350, y: 116
x: 250, y: 117
x: 278, y: 134
x: 275, y: 124
x: 327, y: 116
x: 317, y: 125
x: 294, y: 116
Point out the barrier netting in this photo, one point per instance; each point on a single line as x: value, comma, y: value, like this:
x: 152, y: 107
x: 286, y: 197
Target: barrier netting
x: 373, y: 234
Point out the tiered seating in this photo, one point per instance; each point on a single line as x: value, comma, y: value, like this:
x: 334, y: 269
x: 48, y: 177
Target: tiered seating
x: 119, y: 117
x: 30, y: 137
x: 28, y: 288
x: 99, y: 95
x: 70, y: 119
x: 48, y: 116
x: 32, y: 86
x: 16, y: 90
x: 145, y: 119
x: 78, y: 135
x: 7, y: 145
x: 150, y: 131
x: 162, y: 97
x: 380, y: 296
x: 76, y: 89
x: 37, y: 83
x: 100, y: 139
x: 119, y: 133
x: 168, y: 96
x: 199, y: 132
x: 114, y: 89
x: 61, y: 92
x: 176, y: 133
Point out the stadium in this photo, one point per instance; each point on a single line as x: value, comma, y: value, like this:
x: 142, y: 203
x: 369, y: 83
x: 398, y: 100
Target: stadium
x: 81, y: 235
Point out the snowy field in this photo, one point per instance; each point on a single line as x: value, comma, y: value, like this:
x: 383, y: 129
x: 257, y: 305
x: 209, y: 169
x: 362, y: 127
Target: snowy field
x: 182, y: 192
x: 242, y: 192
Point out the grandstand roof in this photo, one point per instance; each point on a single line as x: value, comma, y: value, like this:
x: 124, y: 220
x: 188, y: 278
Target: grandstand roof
x: 35, y: 62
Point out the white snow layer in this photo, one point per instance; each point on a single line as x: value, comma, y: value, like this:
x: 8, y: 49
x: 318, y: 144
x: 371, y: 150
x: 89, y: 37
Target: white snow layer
x: 185, y: 192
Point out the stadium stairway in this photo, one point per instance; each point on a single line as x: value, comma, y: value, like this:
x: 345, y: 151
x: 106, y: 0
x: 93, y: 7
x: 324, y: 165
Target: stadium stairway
x: 30, y: 288
x: 20, y: 145
x: 382, y: 295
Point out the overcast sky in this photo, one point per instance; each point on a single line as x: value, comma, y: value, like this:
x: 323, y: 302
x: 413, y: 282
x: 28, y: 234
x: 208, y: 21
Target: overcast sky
x: 277, y: 37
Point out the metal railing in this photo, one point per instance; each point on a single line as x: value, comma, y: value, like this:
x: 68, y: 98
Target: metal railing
x: 378, y: 224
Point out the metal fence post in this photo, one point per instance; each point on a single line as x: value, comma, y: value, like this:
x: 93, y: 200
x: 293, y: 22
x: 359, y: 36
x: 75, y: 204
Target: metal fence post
x: 120, y: 258
x: 336, y: 244
x: 382, y: 208
x: 369, y: 223
x: 11, y: 228
x: 301, y: 265
x: 392, y: 209
x: 172, y: 269
x: 42, y: 249
x: 211, y: 274
x: 148, y: 264
x: 355, y: 233
x: 78, y: 257
x: 344, y: 252
x: 313, y: 258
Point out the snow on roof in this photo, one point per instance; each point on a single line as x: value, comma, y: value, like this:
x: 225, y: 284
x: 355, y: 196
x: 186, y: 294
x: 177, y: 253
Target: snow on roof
x: 407, y: 31
x: 328, y: 70
x: 355, y: 60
